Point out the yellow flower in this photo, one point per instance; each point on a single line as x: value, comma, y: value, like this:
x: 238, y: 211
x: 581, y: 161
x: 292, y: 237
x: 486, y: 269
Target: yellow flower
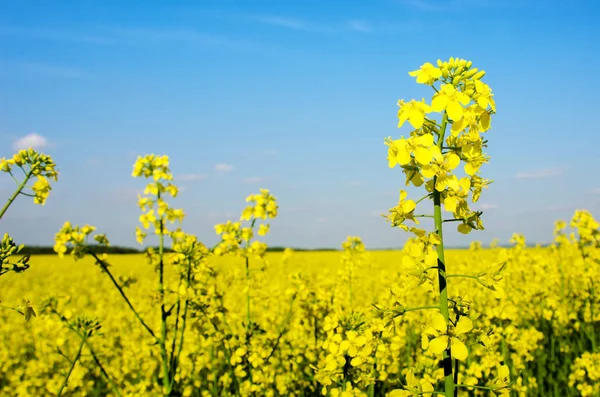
x: 427, y: 74
x: 413, y: 387
x: 421, y: 146
x: 414, y: 112
x: 484, y: 96
x: 402, y: 211
x: 444, y: 335
x: 451, y: 100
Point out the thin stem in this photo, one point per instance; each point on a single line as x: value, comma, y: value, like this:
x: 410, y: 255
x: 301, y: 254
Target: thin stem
x: 462, y: 275
x: 452, y: 220
x: 73, y: 363
x: 183, y: 320
x: 437, y: 213
x: 105, y: 268
x: 14, y: 179
x: 422, y: 198
x: 16, y: 193
x: 104, y: 372
x: 424, y: 216
x: 412, y: 309
x: 175, y: 330
x: 474, y: 386
x: 11, y: 308
x: 162, y: 341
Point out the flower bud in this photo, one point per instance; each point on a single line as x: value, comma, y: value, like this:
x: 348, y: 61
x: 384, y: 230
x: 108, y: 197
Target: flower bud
x: 470, y: 73
x: 479, y: 75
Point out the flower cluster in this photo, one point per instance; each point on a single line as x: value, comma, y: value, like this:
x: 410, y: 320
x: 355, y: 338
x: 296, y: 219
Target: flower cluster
x: 236, y: 239
x: 33, y: 164
x: 76, y: 238
x: 156, y: 212
x: 429, y: 157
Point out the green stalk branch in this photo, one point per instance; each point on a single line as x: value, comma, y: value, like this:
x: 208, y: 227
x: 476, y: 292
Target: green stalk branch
x: 73, y: 363
x: 16, y: 193
x: 437, y: 214
x: 116, y: 284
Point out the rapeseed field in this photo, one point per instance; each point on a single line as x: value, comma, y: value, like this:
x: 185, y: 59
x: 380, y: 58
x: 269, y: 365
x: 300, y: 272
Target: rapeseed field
x: 185, y: 319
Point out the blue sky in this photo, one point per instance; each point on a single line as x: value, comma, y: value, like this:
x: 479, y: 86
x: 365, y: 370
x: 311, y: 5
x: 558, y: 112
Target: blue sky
x: 296, y: 97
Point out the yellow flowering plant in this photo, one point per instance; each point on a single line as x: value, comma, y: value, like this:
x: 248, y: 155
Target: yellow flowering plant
x: 32, y: 165
x: 188, y: 254
x: 430, y: 158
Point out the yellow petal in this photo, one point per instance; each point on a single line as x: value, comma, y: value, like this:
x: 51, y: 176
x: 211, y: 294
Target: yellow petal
x: 424, y: 341
x: 459, y: 350
x: 450, y: 203
x: 471, y: 169
x: 485, y: 121
x: 439, y: 344
x: 455, y: 110
x: 428, y: 171
x: 425, y: 140
x: 416, y: 118
x: 399, y: 393
x: 464, y: 325
x: 452, y: 161
x: 439, y: 102
x: 423, y: 156
x: 411, y: 380
x: 439, y: 322
x: 464, y: 228
x: 408, y: 206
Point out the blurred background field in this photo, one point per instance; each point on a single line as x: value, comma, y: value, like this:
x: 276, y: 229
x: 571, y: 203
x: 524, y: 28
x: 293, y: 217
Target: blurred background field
x: 544, y: 315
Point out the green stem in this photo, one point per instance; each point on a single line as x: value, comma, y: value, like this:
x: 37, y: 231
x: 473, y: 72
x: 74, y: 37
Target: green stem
x: 116, y: 284
x: 412, y: 309
x: 437, y: 215
x: 175, y: 363
x: 474, y: 386
x: 16, y: 193
x: 104, y: 372
x: 162, y: 341
x: 64, y: 384
x: 462, y: 275
x: 422, y: 198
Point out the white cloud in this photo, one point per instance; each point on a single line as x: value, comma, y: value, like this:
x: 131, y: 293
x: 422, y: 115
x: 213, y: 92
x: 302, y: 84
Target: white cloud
x: 33, y: 140
x: 459, y: 5
x: 539, y: 174
x: 308, y: 26
x: 192, y: 177
x: 252, y: 179
x: 359, y: 26
x: 223, y: 167
x: 486, y: 206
